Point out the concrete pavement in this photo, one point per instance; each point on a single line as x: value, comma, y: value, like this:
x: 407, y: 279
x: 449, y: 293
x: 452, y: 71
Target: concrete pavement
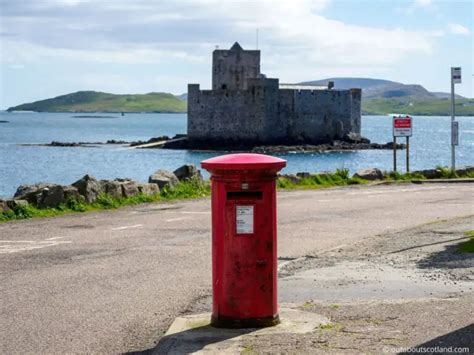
x: 114, y: 281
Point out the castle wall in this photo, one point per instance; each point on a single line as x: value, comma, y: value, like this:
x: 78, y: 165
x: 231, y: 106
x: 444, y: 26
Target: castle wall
x: 319, y: 116
x: 234, y: 117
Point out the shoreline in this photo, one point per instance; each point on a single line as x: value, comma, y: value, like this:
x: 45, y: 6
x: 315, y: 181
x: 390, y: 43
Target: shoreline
x: 389, y: 114
x: 91, y: 194
x: 165, y: 142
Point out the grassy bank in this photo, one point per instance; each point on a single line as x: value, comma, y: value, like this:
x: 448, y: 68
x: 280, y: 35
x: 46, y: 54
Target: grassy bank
x: 444, y: 173
x: 316, y: 181
x: 184, y: 190
x: 196, y: 189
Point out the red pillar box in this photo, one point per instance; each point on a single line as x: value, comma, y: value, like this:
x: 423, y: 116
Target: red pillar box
x: 244, y: 240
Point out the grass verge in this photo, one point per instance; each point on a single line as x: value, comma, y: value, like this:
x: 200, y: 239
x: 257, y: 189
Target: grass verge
x: 184, y: 190
x: 444, y: 173
x: 196, y: 189
x: 316, y: 181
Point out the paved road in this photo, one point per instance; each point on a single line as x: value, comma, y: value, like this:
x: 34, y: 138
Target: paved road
x: 114, y: 281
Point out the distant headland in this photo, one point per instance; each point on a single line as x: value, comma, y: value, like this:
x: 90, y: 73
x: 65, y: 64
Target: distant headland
x: 94, y: 101
x: 379, y: 97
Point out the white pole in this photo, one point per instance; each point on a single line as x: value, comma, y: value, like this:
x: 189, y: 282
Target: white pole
x: 257, y: 39
x: 453, y: 113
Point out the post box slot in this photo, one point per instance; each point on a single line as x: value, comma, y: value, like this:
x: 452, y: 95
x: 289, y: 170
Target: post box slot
x: 244, y: 195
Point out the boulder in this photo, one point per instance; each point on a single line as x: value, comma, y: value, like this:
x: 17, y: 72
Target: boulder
x: 71, y: 193
x: 430, y: 173
x: 112, y: 188
x: 353, y: 137
x: 32, y: 193
x: 303, y: 175
x: 89, y: 187
x: 187, y: 171
x: 4, y: 206
x: 129, y: 188
x: 16, y: 203
x: 148, y: 189
x: 462, y: 171
x: 163, y: 179
x: 369, y: 174
x: 51, y: 197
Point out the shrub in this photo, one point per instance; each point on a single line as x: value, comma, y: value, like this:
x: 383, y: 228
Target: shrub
x: 76, y: 205
x: 106, y: 201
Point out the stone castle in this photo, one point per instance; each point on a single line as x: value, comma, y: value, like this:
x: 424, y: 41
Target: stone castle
x: 245, y: 108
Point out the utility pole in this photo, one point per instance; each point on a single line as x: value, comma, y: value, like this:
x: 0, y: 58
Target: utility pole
x: 455, y: 79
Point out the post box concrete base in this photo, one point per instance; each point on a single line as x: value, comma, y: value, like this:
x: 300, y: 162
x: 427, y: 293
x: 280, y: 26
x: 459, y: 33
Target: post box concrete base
x: 192, y: 334
x: 225, y: 322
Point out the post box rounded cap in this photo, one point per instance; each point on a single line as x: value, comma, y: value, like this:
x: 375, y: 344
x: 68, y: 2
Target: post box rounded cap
x: 243, y: 161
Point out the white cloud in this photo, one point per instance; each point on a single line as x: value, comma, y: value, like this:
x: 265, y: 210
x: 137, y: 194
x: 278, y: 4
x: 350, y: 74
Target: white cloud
x: 297, y: 40
x: 14, y: 51
x: 457, y: 29
x: 147, y: 32
x: 422, y: 3
x: 416, y: 5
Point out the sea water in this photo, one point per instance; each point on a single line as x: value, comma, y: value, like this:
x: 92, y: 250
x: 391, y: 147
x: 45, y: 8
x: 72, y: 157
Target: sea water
x: 23, y: 164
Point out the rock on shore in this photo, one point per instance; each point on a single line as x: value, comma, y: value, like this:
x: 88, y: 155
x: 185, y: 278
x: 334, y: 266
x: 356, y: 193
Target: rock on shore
x: 369, y: 174
x: 163, y: 179
x: 334, y: 146
x: 88, y: 189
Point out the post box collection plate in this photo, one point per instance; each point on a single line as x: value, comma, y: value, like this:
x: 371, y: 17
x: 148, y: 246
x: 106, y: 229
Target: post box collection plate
x: 244, y: 219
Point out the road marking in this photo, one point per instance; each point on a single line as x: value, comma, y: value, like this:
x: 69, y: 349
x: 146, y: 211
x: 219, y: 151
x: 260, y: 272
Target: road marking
x: 54, y: 238
x: 16, y: 246
x: 194, y: 212
x: 395, y: 191
x: 176, y: 219
x: 127, y: 227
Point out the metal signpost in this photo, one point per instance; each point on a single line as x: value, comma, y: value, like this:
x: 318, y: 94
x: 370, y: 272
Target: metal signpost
x: 402, y: 127
x: 455, y: 79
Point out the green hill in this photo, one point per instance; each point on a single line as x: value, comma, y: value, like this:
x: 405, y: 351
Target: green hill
x: 380, y: 97
x: 417, y: 106
x: 93, y: 101
x: 379, y: 88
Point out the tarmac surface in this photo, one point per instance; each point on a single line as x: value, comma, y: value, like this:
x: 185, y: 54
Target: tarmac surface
x: 115, y: 281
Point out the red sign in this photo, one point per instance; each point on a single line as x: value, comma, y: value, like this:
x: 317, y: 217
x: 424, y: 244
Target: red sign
x: 402, y: 126
x: 402, y: 123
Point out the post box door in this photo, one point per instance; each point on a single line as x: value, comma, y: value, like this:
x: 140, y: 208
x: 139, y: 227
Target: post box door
x: 249, y: 253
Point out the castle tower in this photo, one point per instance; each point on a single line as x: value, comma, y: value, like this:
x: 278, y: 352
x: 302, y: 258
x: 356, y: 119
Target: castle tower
x: 231, y: 68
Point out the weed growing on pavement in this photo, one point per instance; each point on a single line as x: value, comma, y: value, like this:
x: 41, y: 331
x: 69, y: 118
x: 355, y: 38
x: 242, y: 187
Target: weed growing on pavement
x: 307, y: 305
x: 248, y: 350
x: 467, y: 246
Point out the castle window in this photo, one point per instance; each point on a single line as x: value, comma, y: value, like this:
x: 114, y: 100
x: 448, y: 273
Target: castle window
x: 224, y: 87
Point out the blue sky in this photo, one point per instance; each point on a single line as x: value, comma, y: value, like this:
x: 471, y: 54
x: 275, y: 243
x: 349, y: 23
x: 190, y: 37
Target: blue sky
x: 54, y: 47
